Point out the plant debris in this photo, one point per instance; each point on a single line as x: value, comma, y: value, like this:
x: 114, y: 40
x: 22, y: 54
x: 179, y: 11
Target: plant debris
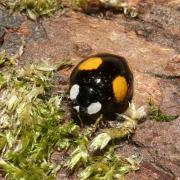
x: 32, y: 128
x: 127, y: 128
x: 157, y: 115
x: 109, y: 166
x: 97, y: 5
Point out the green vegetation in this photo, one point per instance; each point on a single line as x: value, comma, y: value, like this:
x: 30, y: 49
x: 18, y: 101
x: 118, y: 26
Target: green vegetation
x: 29, y: 121
x: 37, y: 8
x: 109, y: 167
x: 32, y: 128
x: 78, y: 3
x: 34, y: 8
x: 157, y: 115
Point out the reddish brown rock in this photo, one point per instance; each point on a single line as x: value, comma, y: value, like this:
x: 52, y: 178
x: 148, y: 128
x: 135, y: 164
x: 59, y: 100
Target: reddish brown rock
x: 171, y: 96
x: 146, y: 88
x: 157, y: 144
x: 100, y: 36
x: 148, y: 171
x: 160, y: 143
x: 150, y: 44
x: 173, y: 67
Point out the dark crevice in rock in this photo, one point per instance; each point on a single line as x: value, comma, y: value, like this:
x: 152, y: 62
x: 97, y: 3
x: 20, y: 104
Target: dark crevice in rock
x: 164, y: 170
x: 138, y: 144
x: 163, y: 76
x: 158, y: 24
x: 2, y: 35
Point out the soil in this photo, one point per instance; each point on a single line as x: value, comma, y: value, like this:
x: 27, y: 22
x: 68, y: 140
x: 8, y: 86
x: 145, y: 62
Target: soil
x: 151, y: 45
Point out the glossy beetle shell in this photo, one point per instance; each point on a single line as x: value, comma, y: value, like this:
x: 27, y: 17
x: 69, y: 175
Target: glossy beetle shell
x: 102, y: 83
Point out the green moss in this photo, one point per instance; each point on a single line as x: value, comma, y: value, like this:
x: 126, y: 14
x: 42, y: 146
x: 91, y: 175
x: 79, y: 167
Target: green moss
x: 29, y: 121
x: 80, y: 3
x: 157, y: 115
x: 108, y: 167
x: 34, y: 8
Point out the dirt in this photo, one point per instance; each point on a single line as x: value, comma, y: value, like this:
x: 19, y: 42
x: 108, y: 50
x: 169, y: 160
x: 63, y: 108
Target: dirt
x: 150, y: 43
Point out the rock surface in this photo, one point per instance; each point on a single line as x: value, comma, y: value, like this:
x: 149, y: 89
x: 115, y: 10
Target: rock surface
x: 151, y: 46
x: 158, y: 145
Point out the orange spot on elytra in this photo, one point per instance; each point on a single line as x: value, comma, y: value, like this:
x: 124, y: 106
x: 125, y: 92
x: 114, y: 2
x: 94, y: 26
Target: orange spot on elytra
x: 90, y: 64
x: 120, y: 88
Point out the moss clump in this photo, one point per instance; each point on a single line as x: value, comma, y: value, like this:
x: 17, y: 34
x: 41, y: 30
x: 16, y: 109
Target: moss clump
x: 29, y: 121
x: 157, y: 115
x: 34, y: 8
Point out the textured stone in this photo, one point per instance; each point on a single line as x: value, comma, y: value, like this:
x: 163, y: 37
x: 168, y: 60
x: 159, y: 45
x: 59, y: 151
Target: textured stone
x: 146, y: 88
x: 161, y: 144
x: 150, y: 45
x: 173, y: 67
x: 170, y: 96
x: 15, y: 27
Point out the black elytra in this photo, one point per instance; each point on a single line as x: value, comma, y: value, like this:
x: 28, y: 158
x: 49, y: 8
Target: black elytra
x: 104, y: 78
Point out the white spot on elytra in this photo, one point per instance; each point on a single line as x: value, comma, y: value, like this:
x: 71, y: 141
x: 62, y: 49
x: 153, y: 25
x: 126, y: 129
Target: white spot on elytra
x: 93, y: 108
x: 74, y: 91
x: 76, y: 108
x: 98, y: 80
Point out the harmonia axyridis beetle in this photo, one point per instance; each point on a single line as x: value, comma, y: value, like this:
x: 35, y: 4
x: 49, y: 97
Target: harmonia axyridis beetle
x: 100, y: 84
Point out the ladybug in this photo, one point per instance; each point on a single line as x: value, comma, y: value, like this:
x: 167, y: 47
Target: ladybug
x: 100, y: 84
